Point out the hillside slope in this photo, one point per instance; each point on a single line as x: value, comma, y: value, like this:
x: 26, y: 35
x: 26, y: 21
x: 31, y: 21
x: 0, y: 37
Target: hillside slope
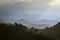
x: 20, y: 32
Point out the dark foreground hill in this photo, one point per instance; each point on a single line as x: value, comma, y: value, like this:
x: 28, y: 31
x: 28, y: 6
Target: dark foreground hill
x: 20, y: 32
x: 53, y: 32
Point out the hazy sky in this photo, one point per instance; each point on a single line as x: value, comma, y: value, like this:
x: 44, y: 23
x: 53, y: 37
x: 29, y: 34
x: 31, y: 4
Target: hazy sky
x: 31, y: 10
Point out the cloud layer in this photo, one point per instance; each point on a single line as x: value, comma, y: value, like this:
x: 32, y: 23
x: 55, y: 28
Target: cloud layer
x: 30, y: 9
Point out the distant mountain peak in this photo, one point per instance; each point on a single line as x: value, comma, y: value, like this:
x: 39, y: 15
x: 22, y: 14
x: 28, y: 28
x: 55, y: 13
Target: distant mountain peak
x: 24, y: 22
x: 44, y: 20
x: 22, y: 19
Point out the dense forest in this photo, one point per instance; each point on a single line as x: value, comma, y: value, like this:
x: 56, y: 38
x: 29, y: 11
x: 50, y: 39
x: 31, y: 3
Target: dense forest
x: 20, y: 32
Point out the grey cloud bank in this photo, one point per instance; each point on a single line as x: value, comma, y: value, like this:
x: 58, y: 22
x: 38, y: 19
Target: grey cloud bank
x: 31, y: 10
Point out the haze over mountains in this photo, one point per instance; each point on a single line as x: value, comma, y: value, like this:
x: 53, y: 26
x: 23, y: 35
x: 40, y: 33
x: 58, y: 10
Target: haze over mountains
x: 36, y: 13
x: 45, y: 21
x: 37, y: 24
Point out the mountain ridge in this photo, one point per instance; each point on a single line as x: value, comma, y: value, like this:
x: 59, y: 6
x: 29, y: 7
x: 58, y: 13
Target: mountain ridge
x: 37, y: 24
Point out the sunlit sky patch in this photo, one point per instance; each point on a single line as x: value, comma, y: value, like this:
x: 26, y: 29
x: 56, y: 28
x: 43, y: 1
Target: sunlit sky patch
x: 54, y: 3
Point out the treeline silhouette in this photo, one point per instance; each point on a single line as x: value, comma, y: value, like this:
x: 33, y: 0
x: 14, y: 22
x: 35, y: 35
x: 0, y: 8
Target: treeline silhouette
x: 53, y: 31
x: 20, y: 32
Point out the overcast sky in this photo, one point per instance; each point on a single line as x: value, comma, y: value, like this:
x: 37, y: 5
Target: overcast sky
x: 30, y: 9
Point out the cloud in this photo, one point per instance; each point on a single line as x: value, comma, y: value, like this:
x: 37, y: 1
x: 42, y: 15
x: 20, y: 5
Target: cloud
x: 31, y: 7
x: 34, y: 8
x: 54, y: 3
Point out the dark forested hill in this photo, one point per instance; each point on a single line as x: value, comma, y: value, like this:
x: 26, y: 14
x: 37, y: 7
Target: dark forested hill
x: 53, y: 32
x: 20, y: 32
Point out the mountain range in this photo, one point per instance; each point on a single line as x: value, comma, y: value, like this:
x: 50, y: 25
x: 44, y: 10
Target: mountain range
x: 45, y: 21
x: 36, y: 24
